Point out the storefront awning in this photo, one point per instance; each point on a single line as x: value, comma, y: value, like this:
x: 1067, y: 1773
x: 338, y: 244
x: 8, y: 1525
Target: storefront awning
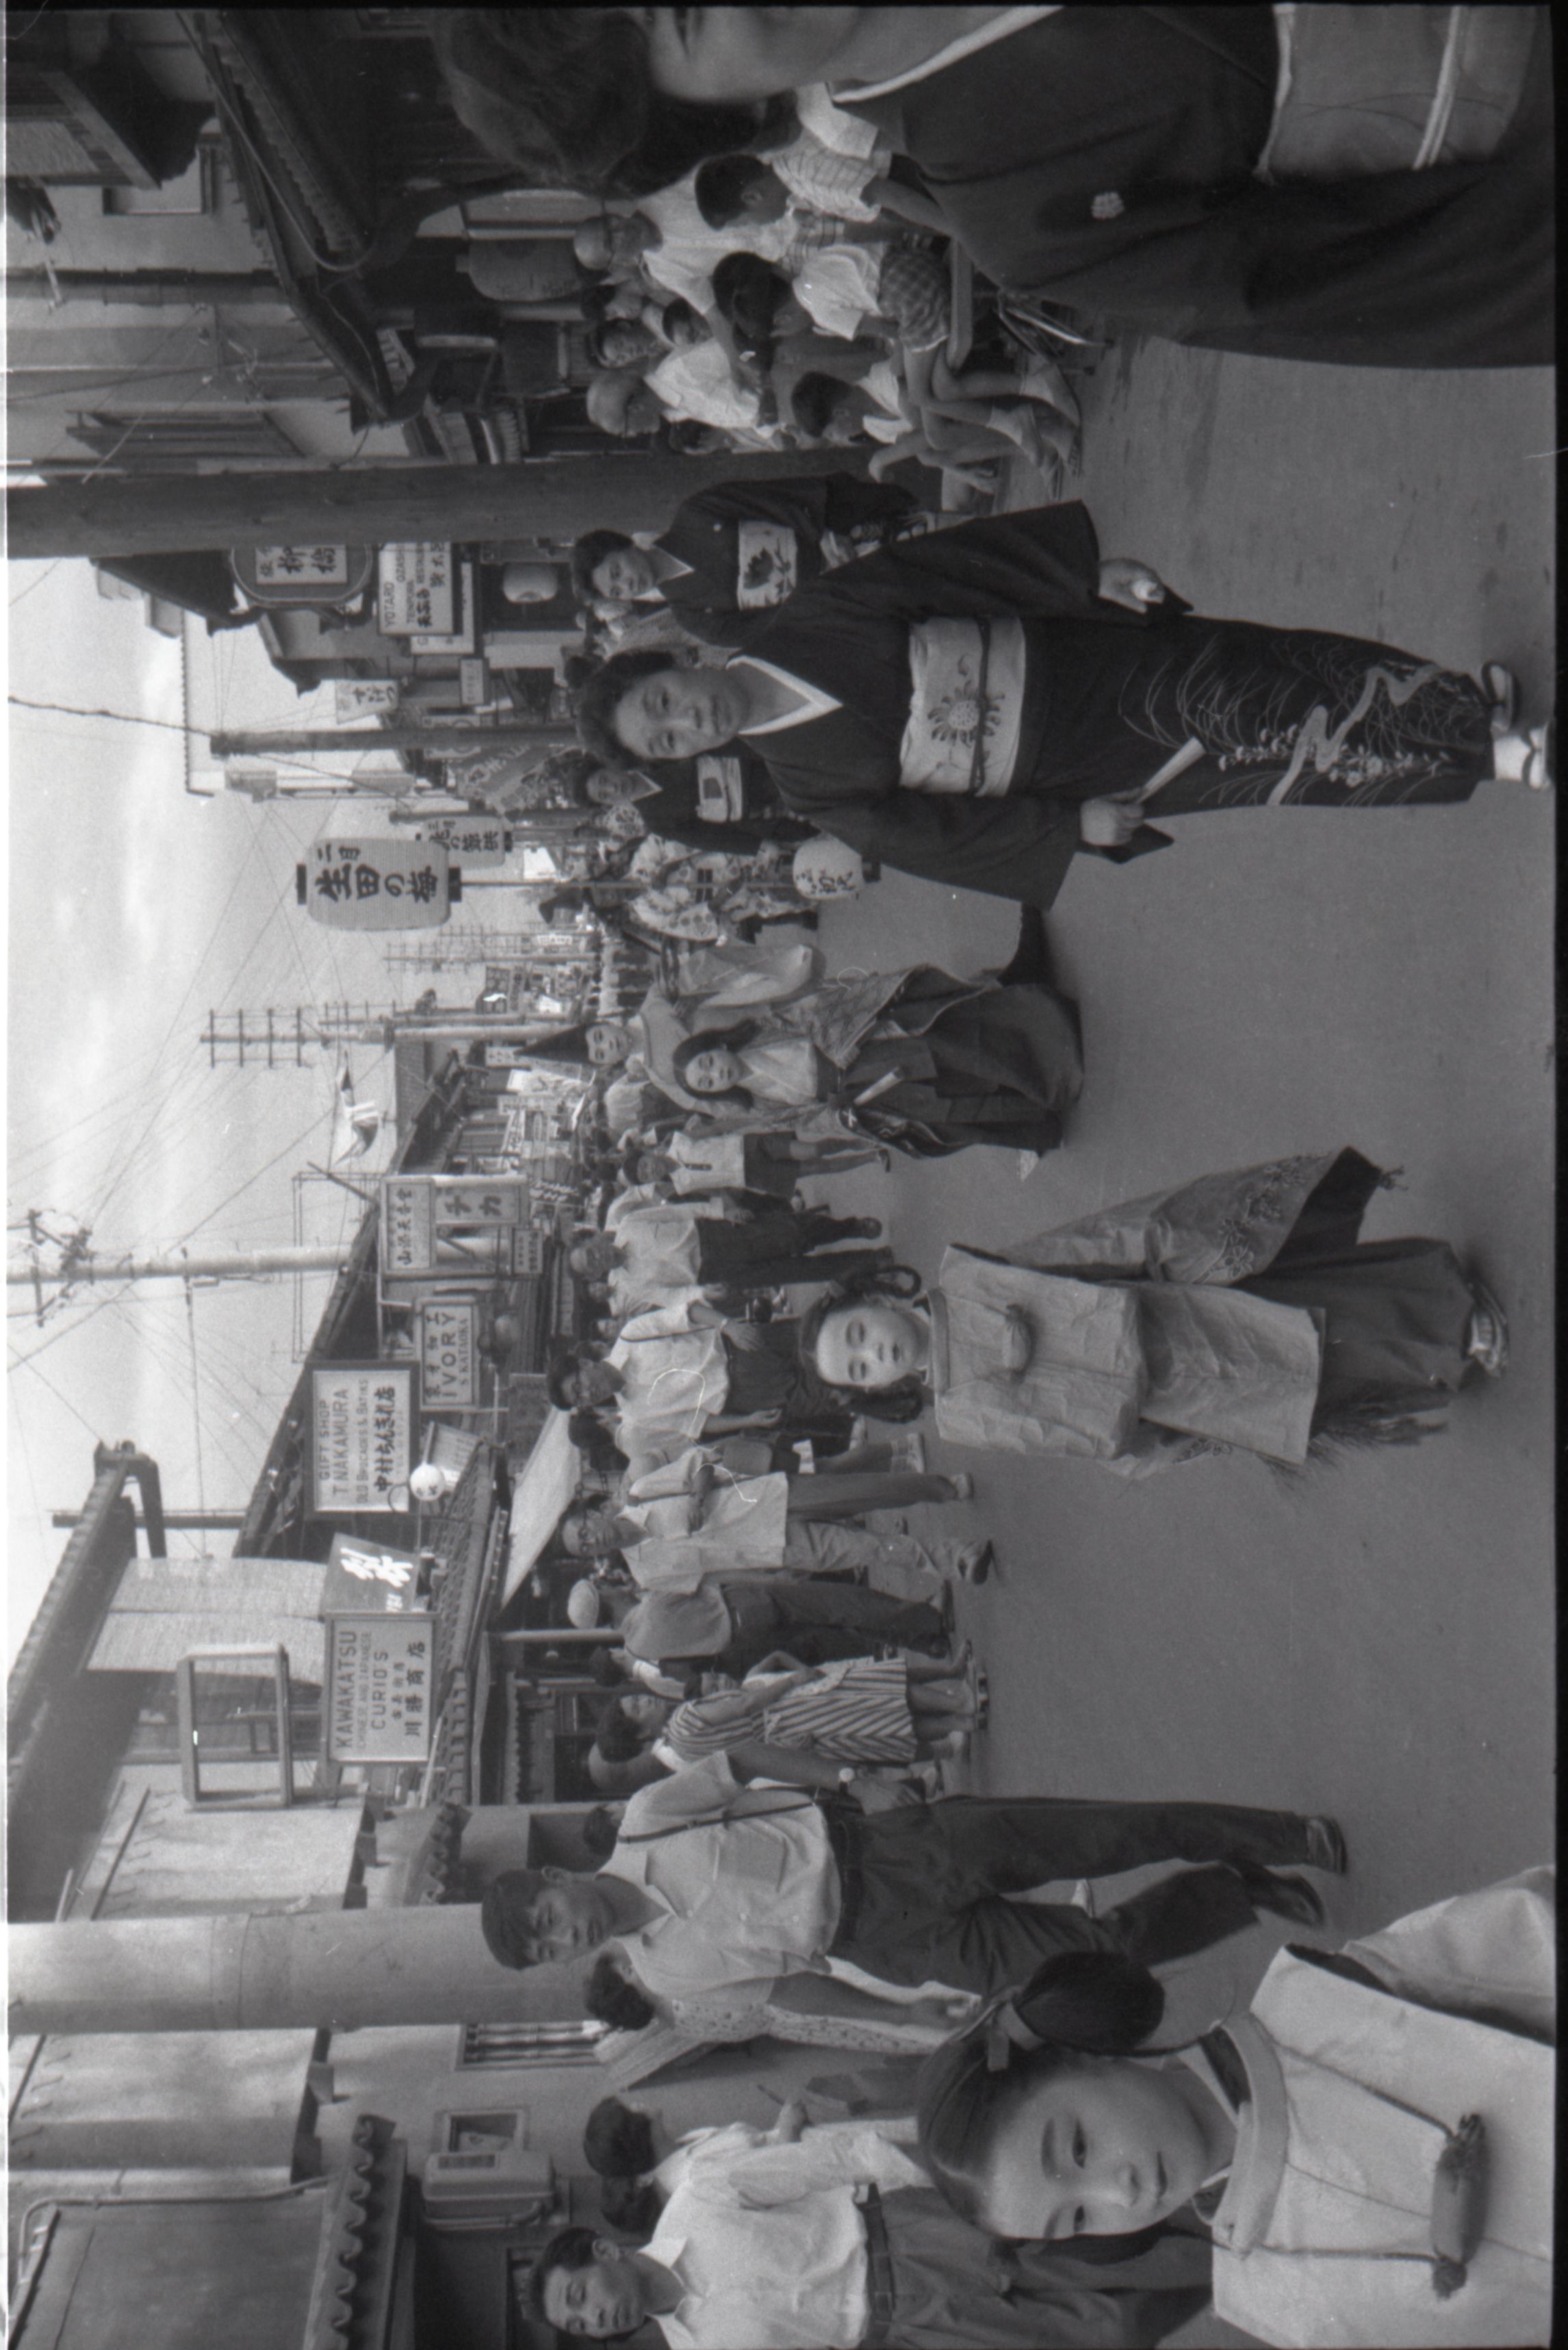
x: 547, y: 1483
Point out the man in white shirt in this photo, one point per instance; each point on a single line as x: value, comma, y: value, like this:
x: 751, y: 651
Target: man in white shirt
x: 718, y: 1879
x: 833, y: 2241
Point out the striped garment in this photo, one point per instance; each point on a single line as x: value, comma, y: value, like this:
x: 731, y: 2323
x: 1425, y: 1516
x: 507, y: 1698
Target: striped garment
x: 856, y: 1710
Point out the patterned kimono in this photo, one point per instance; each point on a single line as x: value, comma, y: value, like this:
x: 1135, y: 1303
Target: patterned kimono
x: 967, y: 692
x: 1237, y: 1310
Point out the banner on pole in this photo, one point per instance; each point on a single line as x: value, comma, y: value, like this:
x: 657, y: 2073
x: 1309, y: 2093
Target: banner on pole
x: 362, y: 884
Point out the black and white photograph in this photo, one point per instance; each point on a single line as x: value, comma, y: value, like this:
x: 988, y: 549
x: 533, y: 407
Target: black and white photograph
x: 782, y: 1422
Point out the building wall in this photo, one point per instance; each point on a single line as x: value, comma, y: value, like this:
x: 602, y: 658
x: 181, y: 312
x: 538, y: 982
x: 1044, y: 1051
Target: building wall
x: 156, y: 2101
x: 156, y: 1858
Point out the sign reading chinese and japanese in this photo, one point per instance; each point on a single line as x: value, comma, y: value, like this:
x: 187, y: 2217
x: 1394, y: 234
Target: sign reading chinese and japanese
x: 378, y: 1693
x: 302, y: 574
x: 363, y: 1575
x: 448, y: 1354
x: 361, y: 884
x: 362, y: 1436
x: 459, y: 637
x: 469, y: 839
x: 414, y: 589
x: 407, y: 1243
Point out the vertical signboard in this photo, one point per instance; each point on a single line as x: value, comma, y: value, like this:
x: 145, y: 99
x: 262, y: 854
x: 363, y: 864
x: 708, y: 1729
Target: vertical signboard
x: 362, y: 1436
x: 448, y: 1354
x: 414, y: 589
x: 377, y: 1695
x: 357, y: 883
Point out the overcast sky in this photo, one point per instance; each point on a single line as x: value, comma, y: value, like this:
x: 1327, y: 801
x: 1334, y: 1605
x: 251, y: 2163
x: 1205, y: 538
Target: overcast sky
x: 134, y: 911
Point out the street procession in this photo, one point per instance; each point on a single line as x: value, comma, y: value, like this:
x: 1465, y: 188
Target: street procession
x: 875, y: 1670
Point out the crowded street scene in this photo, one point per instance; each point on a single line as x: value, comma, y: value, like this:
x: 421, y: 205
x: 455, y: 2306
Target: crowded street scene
x: 889, y: 1659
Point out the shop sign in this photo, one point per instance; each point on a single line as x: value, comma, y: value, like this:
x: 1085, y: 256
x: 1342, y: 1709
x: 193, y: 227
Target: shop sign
x: 378, y: 1687
x: 406, y: 1224
x: 468, y: 842
x: 473, y: 681
x: 362, y: 1575
x: 448, y: 1355
x: 363, y: 884
x: 528, y: 1250
x: 362, y: 1436
x: 444, y: 1223
x: 301, y: 575
x: 457, y: 637
x: 415, y: 579
x: 362, y: 697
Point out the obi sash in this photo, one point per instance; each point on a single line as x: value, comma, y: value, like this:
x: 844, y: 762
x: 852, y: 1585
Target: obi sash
x: 967, y: 682
x: 1375, y: 89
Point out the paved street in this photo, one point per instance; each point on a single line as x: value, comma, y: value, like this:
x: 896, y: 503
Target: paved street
x: 1373, y: 1639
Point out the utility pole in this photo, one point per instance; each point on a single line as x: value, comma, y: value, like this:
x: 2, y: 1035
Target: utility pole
x: 449, y: 742
x: 188, y: 1521
x: 255, y: 289
x: 554, y: 498
x: 84, y: 1264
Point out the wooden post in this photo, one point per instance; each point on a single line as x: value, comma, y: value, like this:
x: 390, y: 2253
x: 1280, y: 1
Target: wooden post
x: 444, y: 742
x: 554, y: 498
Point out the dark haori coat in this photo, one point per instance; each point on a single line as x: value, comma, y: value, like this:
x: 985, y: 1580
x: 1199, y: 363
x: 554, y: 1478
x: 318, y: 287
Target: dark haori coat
x: 748, y: 545
x: 1259, y: 716
x: 1110, y: 160
x: 686, y: 806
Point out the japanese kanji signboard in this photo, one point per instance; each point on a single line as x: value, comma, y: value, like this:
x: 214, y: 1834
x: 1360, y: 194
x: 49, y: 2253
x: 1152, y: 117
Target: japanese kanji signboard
x: 378, y: 1696
x: 448, y: 1373
x: 471, y: 840
x: 360, y: 697
x: 361, y: 884
x: 362, y: 1575
x: 414, y: 583
x: 447, y: 1224
x: 362, y: 1436
x: 301, y: 575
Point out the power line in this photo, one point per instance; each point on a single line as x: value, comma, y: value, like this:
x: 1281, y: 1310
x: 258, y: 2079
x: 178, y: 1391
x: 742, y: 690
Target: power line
x: 126, y: 718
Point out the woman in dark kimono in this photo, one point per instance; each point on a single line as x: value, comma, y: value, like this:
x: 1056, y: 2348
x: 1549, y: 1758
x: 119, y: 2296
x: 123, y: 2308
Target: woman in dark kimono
x: 978, y: 705
x: 731, y: 553
x: 1370, y: 186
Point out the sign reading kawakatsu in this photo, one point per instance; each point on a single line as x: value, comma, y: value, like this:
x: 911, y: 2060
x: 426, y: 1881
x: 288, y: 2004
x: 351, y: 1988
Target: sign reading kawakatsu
x: 362, y: 1436
x: 379, y: 1690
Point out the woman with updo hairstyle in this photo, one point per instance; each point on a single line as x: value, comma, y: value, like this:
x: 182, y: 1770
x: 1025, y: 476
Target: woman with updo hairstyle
x: 1369, y: 2143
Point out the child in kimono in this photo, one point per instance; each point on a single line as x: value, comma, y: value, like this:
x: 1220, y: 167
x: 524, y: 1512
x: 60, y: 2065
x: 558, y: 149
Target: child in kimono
x: 1370, y: 2145
x: 1238, y: 1310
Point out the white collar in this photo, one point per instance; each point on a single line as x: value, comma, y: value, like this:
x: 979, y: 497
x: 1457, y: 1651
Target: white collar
x: 815, y: 703
x: 1010, y: 20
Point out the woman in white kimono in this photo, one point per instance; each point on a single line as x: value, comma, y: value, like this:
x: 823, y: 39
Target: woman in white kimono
x: 1370, y: 2144
x: 1236, y: 1310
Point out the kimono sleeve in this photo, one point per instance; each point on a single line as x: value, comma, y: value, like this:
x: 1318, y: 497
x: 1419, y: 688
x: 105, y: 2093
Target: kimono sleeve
x: 1217, y: 1228
x: 1491, y: 1954
x: 1043, y: 564
x: 1018, y: 849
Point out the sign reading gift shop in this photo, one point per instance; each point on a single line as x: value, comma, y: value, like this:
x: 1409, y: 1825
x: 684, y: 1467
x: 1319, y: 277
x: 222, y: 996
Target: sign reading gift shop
x: 377, y: 1692
x: 448, y: 1354
x: 362, y: 1436
x: 444, y: 1223
x: 364, y: 884
x: 471, y: 840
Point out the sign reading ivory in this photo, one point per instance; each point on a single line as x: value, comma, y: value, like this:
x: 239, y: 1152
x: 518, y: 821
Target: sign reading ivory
x: 361, y: 884
x: 448, y: 1354
x: 362, y: 1435
x: 377, y: 1692
x: 414, y: 589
